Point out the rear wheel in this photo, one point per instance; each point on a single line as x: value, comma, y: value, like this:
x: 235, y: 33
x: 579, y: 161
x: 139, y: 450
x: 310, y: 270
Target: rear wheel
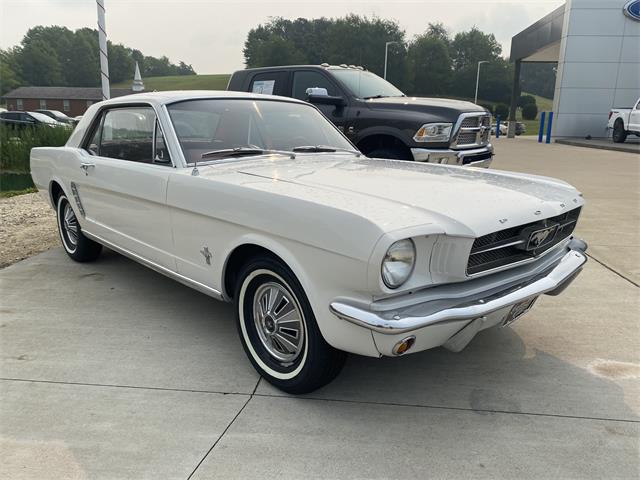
x: 619, y: 133
x: 278, y: 330
x: 77, y: 246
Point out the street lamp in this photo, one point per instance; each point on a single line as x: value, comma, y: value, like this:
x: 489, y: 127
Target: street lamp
x: 386, y: 56
x: 475, y: 100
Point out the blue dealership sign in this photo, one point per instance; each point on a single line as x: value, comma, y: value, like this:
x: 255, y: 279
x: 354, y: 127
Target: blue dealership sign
x: 632, y: 9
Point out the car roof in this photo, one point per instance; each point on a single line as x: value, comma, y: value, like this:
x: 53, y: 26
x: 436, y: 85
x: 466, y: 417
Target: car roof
x: 167, y: 97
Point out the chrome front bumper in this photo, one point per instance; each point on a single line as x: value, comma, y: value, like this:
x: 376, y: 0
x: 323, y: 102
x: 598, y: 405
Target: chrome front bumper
x: 403, y: 320
x: 474, y: 157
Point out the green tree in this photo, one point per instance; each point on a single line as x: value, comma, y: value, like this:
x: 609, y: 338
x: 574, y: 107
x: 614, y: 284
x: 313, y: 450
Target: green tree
x: 351, y: 40
x: 9, y: 75
x: 429, y: 65
x: 468, y: 48
x: 278, y: 51
x: 121, y: 63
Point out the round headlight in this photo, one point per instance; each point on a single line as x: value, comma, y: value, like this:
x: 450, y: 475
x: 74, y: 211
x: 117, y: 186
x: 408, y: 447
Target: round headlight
x: 398, y: 263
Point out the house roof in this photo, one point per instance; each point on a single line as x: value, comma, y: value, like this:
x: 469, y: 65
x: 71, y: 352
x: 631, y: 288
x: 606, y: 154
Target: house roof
x: 64, y: 93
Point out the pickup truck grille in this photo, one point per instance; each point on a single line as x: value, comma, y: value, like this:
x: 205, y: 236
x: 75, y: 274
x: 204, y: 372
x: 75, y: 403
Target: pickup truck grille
x: 473, y: 131
x: 514, y: 245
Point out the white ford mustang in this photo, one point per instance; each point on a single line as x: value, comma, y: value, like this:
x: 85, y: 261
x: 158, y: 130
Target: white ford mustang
x: 260, y: 200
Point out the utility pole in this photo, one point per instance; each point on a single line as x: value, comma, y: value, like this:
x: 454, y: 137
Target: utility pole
x: 475, y: 99
x: 104, y: 61
x: 386, y: 57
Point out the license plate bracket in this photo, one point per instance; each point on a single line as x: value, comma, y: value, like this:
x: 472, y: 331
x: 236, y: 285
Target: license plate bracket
x: 518, y: 310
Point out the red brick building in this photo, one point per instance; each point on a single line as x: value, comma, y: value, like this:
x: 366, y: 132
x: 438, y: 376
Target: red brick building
x: 73, y: 101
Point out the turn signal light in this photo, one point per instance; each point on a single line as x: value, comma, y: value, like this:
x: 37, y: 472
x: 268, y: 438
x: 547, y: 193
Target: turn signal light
x: 404, y: 345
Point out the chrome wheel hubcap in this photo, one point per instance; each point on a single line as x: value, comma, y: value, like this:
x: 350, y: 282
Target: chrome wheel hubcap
x: 70, y: 225
x: 279, y: 322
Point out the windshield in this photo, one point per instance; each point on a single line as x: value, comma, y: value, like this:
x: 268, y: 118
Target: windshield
x: 42, y: 117
x: 366, y: 84
x: 206, y: 126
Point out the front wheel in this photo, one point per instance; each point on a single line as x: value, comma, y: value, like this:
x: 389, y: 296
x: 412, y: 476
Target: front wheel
x: 619, y: 133
x: 278, y: 330
x: 77, y: 246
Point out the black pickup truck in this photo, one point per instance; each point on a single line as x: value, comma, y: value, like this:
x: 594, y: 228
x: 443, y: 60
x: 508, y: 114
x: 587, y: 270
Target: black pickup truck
x: 377, y: 117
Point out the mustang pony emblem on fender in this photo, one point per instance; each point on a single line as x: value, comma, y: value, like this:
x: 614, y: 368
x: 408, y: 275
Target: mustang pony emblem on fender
x: 207, y: 255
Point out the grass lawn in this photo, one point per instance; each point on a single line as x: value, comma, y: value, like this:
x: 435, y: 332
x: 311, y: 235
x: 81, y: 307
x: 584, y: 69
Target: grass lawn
x: 182, y: 82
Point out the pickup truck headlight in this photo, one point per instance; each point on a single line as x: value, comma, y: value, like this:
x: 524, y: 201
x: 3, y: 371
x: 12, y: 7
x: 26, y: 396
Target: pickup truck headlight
x: 398, y: 263
x: 434, y: 132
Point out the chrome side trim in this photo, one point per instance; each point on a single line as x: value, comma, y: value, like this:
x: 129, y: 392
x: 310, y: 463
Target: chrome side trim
x: 212, y: 292
x: 405, y: 320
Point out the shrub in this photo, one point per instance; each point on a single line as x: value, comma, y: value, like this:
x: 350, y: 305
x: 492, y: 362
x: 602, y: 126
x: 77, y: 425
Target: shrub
x: 502, y: 109
x: 488, y: 106
x: 16, y: 144
x: 526, y: 100
x: 530, y: 111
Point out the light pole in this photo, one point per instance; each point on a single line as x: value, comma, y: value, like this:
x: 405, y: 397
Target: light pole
x: 475, y: 100
x: 386, y: 56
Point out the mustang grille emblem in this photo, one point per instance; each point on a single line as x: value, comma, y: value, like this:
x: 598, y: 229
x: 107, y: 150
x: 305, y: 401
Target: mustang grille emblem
x: 540, y: 237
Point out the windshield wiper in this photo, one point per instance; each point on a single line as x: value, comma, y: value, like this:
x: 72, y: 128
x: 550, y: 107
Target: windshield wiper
x: 242, y: 152
x: 323, y: 149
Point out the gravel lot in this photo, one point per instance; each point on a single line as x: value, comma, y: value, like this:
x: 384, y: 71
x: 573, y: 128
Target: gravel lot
x: 28, y: 227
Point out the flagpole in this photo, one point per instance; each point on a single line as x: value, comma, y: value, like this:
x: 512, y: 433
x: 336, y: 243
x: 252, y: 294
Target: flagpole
x: 104, y: 62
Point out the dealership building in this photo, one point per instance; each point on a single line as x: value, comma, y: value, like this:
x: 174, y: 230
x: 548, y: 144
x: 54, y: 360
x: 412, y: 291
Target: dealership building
x: 596, y: 44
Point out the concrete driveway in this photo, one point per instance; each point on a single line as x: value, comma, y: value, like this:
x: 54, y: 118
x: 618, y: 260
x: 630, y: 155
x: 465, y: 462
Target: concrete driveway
x: 112, y: 371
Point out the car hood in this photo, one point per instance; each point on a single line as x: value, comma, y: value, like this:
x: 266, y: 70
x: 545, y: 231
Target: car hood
x: 397, y: 194
x: 442, y: 107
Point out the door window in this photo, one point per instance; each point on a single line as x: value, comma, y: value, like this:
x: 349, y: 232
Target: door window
x: 269, y: 83
x: 304, y: 80
x: 128, y: 134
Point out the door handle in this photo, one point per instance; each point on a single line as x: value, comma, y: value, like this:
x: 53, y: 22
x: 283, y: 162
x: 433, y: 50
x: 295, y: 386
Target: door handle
x: 86, y: 166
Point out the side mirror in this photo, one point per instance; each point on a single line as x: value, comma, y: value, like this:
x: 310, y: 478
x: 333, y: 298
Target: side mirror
x: 326, y: 100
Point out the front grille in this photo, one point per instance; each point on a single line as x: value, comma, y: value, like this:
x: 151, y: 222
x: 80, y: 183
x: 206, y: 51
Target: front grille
x: 505, y: 247
x: 473, y: 131
x: 466, y: 138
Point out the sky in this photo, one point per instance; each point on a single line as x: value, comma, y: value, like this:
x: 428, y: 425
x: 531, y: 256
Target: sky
x: 210, y: 34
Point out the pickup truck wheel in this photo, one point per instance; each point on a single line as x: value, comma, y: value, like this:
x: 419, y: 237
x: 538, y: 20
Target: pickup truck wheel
x: 77, y: 246
x: 392, y: 153
x: 278, y: 330
x: 619, y: 133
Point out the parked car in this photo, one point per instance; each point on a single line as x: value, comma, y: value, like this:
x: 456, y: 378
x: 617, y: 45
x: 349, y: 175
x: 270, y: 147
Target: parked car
x: 503, y: 129
x: 624, y: 121
x: 57, y: 115
x: 521, y: 128
x: 17, y: 119
x: 259, y: 200
x: 377, y: 117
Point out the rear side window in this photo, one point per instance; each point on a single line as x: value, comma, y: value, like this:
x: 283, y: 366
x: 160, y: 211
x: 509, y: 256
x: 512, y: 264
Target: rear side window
x: 129, y: 134
x: 269, y: 83
x: 304, y: 80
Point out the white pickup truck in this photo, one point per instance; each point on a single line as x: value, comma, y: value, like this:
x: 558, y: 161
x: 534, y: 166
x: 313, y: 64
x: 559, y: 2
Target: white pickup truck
x: 624, y: 121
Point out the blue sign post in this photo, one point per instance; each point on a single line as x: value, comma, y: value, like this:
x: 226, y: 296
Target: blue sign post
x: 549, y: 127
x: 541, y: 129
